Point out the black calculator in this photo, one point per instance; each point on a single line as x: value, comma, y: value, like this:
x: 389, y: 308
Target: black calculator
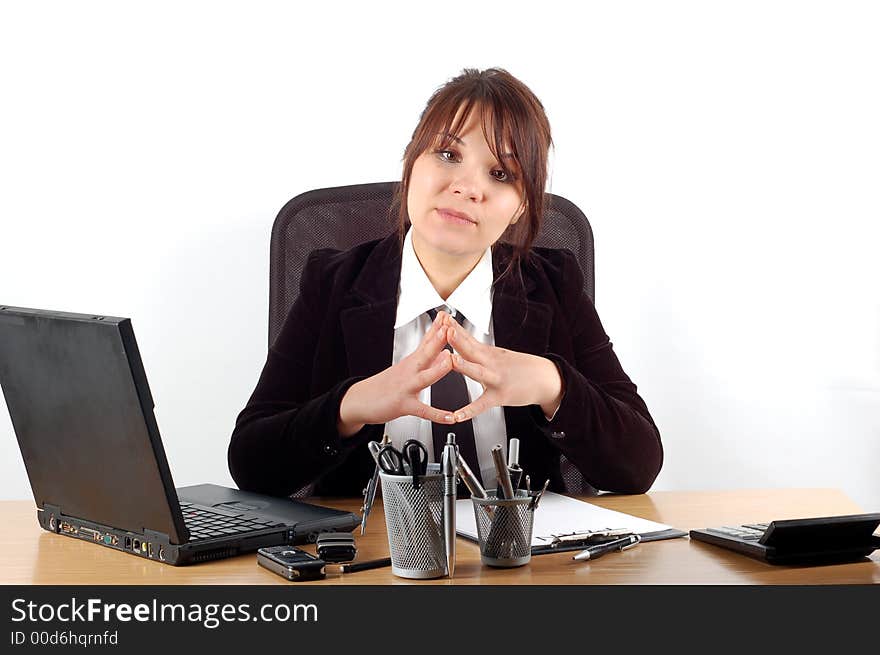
x: 822, y: 540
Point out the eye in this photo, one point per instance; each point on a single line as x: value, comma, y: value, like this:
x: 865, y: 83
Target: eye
x: 505, y: 177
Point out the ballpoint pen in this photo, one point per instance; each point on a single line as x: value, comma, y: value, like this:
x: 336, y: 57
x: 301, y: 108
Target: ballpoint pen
x: 473, y: 484
x: 513, y: 467
x: 470, y: 480
x: 594, y: 552
x: 370, y: 491
x: 449, y: 468
x: 505, y: 489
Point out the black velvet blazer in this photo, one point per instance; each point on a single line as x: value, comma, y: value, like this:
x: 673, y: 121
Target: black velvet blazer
x: 341, y: 330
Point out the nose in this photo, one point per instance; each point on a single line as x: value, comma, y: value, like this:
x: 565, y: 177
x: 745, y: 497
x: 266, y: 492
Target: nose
x: 467, y: 185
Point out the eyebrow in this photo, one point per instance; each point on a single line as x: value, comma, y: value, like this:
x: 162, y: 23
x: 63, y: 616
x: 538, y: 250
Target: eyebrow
x: 508, y: 155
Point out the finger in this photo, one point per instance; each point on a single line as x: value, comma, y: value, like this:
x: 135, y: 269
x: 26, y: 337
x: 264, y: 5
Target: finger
x: 432, y: 413
x: 433, y: 342
x: 462, y: 341
x: 440, y: 366
x: 475, y: 408
x: 474, y: 371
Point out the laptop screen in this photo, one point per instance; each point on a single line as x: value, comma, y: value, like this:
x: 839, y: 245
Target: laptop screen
x: 82, y: 412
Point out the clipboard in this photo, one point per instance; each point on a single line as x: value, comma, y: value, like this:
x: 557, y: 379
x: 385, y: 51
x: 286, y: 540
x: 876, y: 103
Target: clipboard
x: 561, y: 516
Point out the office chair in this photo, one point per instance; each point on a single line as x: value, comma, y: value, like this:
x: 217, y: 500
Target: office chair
x: 346, y: 216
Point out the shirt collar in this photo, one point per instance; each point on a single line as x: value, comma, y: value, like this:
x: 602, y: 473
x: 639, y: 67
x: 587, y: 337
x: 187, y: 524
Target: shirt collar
x: 416, y: 294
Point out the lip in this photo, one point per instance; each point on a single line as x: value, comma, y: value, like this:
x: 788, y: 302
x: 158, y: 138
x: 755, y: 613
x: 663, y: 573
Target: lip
x: 455, y: 214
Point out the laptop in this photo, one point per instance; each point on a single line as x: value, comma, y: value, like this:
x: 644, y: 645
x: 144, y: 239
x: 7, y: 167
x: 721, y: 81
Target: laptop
x: 82, y: 413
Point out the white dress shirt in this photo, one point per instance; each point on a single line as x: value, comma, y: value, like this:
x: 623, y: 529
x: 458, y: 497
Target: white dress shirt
x: 473, y: 298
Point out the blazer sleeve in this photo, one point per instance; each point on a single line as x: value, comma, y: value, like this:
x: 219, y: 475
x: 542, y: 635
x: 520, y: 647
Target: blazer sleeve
x: 284, y: 438
x: 602, y: 424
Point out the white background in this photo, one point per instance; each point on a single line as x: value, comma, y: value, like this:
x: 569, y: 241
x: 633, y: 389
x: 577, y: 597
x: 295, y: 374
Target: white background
x: 725, y: 153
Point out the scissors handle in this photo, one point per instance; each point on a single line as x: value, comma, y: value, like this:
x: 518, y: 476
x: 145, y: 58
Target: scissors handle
x: 416, y: 455
x: 390, y: 460
x: 415, y: 461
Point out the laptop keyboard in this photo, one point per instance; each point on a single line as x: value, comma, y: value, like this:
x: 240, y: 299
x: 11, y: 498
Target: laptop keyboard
x: 204, y: 524
x: 747, y: 532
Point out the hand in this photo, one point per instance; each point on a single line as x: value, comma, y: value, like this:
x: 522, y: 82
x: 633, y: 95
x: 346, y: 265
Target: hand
x: 508, y: 377
x: 395, y: 391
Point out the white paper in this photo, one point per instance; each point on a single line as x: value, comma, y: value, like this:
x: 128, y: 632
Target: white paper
x: 558, y: 515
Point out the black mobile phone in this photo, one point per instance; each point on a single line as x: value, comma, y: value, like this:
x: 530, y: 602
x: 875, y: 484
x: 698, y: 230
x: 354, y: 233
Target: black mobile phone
x: 291, y: 563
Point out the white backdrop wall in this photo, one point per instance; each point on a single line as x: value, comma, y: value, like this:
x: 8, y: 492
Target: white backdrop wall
x: 725, y: 153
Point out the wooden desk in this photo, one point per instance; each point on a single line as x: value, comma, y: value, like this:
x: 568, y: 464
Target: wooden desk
x: 31, y: 555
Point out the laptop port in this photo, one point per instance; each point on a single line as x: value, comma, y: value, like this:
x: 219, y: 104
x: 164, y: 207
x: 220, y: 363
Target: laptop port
x: 88, y: 532
x: 150, y: 549
x: 162, y: 553
x: 137, y: 544
x: 128, y: 543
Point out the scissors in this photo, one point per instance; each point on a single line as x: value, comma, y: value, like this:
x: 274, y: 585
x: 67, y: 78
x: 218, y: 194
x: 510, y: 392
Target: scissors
x: 413, y: 457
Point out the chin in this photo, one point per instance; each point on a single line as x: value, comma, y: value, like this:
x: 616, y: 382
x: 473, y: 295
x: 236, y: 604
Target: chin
x: 451, y: 244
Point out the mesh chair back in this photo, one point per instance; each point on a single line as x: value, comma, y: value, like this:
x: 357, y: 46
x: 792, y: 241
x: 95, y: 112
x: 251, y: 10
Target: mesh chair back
x: 346, y: 216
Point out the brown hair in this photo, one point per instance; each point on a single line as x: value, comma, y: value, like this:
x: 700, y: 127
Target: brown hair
x: 518, y: 121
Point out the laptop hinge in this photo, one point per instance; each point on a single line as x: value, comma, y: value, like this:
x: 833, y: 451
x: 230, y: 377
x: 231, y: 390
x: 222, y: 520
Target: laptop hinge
x: 156, y: 536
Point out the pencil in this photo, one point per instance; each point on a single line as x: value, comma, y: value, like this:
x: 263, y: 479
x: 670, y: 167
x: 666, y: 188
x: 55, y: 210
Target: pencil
x: 365, y: 566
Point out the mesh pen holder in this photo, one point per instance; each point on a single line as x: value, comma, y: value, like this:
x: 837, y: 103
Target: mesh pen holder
x: 504, y: 528
x: 414, y: 521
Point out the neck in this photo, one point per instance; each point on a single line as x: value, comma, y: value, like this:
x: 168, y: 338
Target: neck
x: 445, y: 271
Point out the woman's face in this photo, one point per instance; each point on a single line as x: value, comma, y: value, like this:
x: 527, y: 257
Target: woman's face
x: 465, y: 178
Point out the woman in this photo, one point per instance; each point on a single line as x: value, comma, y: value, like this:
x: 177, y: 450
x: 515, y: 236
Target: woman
x: 445, y: 303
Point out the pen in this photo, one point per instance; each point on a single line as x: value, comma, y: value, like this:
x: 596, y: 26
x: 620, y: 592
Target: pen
x: 590, y: 537
x: 505, y: 489
x: 365, y: 566
x: 473, y: 484
x: 549, y: 549
x: 579, y: 541
x: 470, y: 480
x: 449, y: 467
x: 513, y: 467
x: 594, y: 552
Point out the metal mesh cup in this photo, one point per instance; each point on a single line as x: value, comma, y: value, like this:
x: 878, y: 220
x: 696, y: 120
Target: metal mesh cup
x: 414, y: 520
x: 504, y: 528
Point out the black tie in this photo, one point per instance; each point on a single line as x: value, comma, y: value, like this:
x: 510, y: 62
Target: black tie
x: 450, y: 392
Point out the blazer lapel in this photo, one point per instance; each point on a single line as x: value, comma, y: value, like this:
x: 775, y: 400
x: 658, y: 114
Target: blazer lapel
x: 520, y: 322
x: 369, y: 309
